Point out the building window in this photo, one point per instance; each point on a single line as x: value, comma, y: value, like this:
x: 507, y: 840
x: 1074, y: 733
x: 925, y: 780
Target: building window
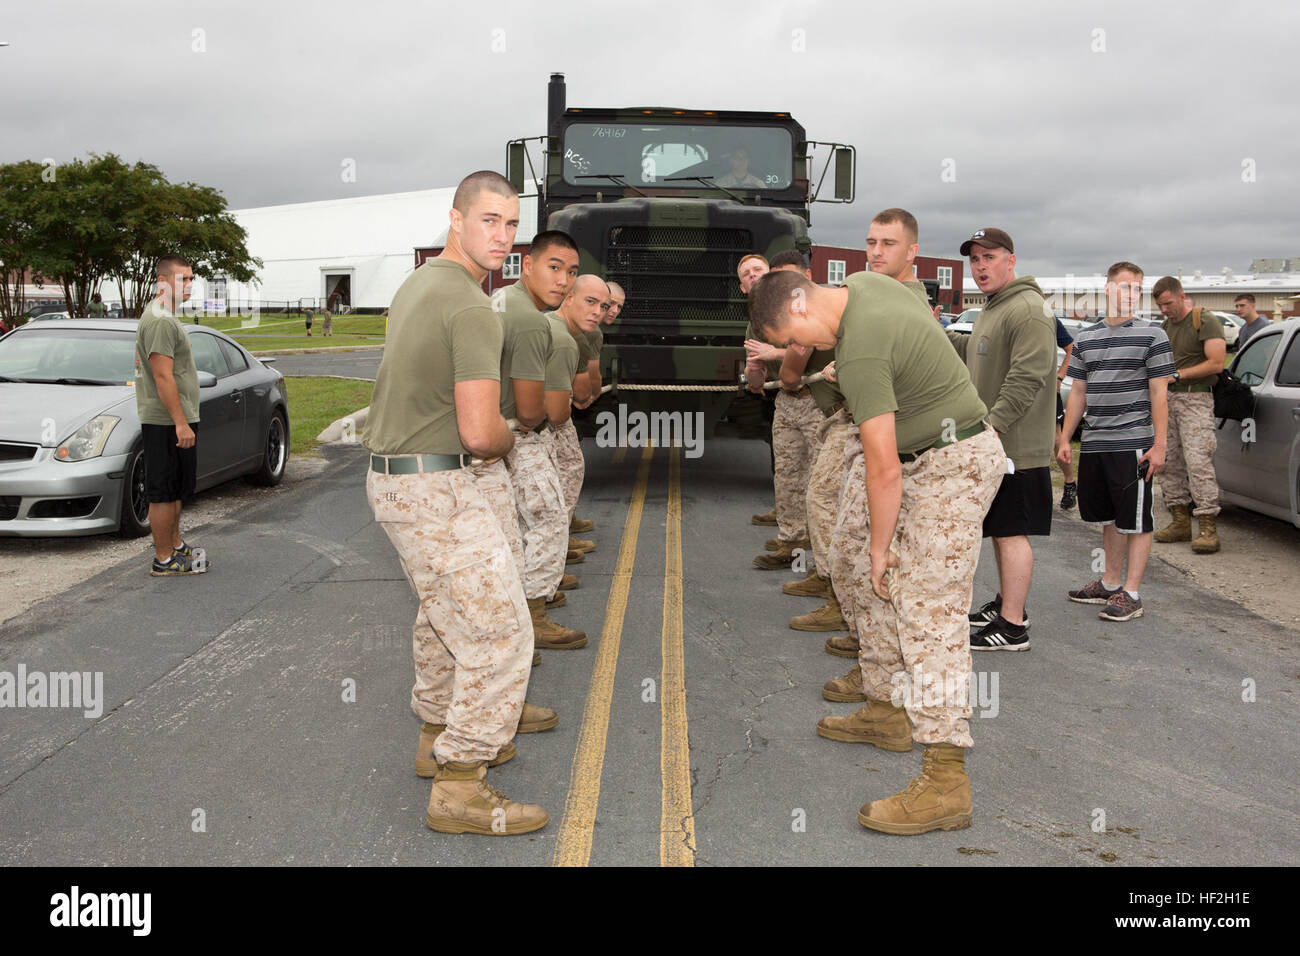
x: 835, y: 271
x: 510, y: 269
x: 945, y: 277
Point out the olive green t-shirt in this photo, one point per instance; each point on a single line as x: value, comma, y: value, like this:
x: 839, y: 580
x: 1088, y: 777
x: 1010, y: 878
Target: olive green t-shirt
x: 892, y: 356
x: 160, y: 333
x: 563, y: 362
x: 1189, y: 345
x: 441, y: 330
x: 595, y: 341
x: 526, y: 344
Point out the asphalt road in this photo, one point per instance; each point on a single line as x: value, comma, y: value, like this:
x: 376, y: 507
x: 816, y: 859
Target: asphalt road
x: 226, y: 738
x: 362, y: 363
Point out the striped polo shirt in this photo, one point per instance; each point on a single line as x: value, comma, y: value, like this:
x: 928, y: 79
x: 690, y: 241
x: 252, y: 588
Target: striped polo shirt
x: 1116, y: 362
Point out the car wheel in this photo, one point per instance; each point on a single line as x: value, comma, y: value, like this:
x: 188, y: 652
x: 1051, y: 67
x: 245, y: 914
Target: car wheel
x: 134, y: 520
x: 275, y: 452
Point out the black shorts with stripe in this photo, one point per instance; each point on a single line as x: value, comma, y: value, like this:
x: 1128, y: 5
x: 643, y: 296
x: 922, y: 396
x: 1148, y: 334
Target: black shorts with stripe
x: 1112, y: 491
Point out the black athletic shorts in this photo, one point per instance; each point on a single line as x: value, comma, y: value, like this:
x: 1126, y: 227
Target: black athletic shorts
x: 1060, y: 409
x: 1022, y: 506
x: 1110, y: 490
x: 169, y: 469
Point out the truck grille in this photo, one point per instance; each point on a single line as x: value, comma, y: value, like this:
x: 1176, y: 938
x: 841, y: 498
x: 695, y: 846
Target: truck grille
x: 679, y: 272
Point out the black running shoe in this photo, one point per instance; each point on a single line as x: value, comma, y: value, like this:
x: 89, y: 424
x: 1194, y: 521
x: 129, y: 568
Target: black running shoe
x: 1069, y: 495
x: 989, y: 613
x: 1000, y: 636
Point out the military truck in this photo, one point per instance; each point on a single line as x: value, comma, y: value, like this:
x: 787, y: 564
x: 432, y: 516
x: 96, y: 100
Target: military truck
x: 666, y: 202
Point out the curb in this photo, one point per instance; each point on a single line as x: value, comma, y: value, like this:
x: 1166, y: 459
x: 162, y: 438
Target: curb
x: 348, y: 425
x: 331, y: 348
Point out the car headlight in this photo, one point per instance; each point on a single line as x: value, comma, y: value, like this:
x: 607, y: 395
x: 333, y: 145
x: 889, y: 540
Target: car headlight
x: 87, y: 441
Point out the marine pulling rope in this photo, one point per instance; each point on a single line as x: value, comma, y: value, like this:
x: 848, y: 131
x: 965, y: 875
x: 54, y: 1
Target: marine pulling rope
x: 804, y: 380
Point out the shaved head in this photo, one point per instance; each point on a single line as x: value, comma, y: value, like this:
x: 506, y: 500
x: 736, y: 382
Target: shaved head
x: 475, y: 183
x: 590, y: 285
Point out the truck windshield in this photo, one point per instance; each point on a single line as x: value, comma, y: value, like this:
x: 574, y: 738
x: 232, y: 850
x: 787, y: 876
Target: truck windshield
x: 736, y: 157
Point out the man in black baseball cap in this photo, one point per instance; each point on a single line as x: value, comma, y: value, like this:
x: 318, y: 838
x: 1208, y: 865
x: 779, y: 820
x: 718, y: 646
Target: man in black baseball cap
x: 1011, y: 354
x: 991, y: 238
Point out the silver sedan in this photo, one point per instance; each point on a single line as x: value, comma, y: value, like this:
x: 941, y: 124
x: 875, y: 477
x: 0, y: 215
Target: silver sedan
x: 1257, y: 461
x: 71, y: 458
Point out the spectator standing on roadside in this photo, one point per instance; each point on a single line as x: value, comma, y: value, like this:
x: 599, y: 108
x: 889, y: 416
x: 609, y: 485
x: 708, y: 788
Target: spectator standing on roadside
x: 309, y: 318
x: 1121, y: 371
x: 1011, y: 354
x: 327, y: 323
x: 167, y: 402
x: 1199, y: 349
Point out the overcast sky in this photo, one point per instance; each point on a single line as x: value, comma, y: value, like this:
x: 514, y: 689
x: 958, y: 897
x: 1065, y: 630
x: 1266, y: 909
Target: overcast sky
x: 1090, y: 131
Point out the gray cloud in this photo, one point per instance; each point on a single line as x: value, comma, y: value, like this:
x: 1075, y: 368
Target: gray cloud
x: 1084, y: 157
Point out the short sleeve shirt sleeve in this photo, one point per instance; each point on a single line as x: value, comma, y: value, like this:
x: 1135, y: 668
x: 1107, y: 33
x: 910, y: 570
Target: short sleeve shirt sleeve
x: 1062, y: 335
x: 528, y: 364
x: 160, y: 338
x: 1078, y: 369
x: 1160, y: 356
x: 868, y: 386
x: 476, y: 340
x: 1211, y: 326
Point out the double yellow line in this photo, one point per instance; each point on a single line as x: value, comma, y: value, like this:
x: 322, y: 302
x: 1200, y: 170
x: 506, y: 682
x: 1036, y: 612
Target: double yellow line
x: 676, y: 823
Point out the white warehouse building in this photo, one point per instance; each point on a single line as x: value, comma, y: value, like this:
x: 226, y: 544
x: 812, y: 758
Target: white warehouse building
x: 345, y: 252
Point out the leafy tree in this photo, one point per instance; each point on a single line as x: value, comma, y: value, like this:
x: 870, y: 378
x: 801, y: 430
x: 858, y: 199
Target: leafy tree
x: 101, y: 219
x: 182, y: 218
x: 18, y: 184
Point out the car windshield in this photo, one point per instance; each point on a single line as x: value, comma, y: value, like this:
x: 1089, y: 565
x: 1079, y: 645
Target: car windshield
x: 743, y: 157
x: 68, y: 356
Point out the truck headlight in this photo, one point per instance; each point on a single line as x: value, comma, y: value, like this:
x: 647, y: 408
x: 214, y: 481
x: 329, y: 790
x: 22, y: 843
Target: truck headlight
x: 87, y: 441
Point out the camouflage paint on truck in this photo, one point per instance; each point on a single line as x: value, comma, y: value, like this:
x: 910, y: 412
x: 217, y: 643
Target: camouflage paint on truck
x: 621, y: 183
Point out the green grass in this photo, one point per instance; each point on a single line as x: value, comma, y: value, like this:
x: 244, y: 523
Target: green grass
x: 279, y: 323
x: 316, y: 402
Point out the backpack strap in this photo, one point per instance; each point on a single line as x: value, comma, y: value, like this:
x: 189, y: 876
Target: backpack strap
x: 1196, y: 318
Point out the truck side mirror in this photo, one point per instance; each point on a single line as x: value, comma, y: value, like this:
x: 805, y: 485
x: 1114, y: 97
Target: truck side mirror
x: 515, y: 166
x: 844, y: 174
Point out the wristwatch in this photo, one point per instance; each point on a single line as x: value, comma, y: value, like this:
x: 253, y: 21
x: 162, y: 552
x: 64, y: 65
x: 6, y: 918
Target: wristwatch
x: 1177, y: 375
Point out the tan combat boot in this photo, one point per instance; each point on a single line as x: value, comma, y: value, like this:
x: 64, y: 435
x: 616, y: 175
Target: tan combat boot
x: 767, y: 518
x: 534, y: 719
x: 578, y: 544
x: 426, y: 765
x: 1207, y: 540
x: 568, y: 582
x: 537, y: 658
x: 580, y: 525
x: 559, y: 600
x: 575, y: 557
x: 825, y: 618
x: 846, y: 689
x: 549, y: 634
x: 783, y: 556
x: 939, y: 799
x: 1180, y: 529
x: 462, y: 802
x: 811, y: 586
x: 876, y: 722
x: 842, y: 645
x: 772, y: 544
